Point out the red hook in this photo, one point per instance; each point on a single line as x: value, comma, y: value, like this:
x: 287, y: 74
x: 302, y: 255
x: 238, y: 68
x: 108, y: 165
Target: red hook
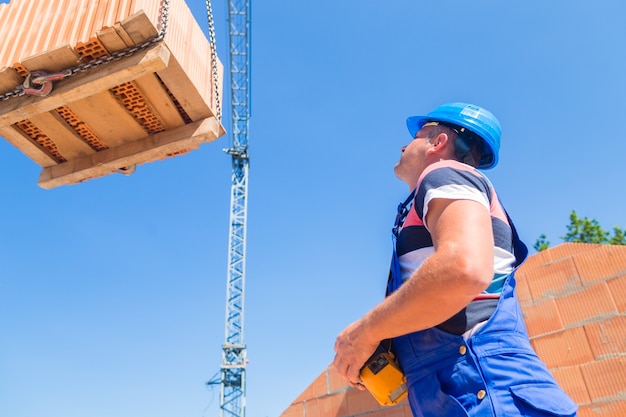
x: 39, y: 83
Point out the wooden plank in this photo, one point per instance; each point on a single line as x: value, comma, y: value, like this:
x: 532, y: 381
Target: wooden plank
x: 139, y: 27
x: 52, y: 61
x: 108, y: 119
x: 27, y: 146
x: 185, y: 91
x: 150, y: 148
x: 123, y: 35
x: 9, y: 80
x: 84, y: 85
x: 159, y: 101
x: 111, y: 40
x: 151, y: 8
x: 69, y: 144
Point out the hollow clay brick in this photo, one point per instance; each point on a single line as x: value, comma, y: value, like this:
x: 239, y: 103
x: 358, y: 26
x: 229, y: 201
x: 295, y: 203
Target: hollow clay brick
x: 607, y: 337
x: 571, y: 380
x: 590, y: 303
x: 553, y: 280
x: 606, y: 261
x: 565, y: 348
x: 542, y: 317
x: 605, y: 378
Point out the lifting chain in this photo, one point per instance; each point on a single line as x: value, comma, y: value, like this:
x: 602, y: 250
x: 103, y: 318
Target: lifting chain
x: 39, y: 83
x: 214, y: 69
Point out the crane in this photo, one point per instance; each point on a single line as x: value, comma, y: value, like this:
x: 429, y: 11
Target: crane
x: 233, y: 368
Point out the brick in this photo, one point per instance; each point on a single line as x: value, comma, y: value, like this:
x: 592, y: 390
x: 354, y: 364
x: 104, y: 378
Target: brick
x: 607, y: 337
x: 335, y: 382
x: 607, y: 409
x: 336, y: 405
x: 311, y: 408
x: 333, y: 405
x: 317, y: 388
x: 569, y: 249
x: 553, y: 279
x: 603, y: 262
x: 605, y: 378
x: 360, y: 402
x: 294, y: 410
x: 395, y: 411
x: 536, y: 260
x: 522, y: 290
x: 81, y: 128
x: 566, y: 348
x: 132, y: 98
x: 407, y: 410
x: 542, y: 317
x: 617, y: 286
x: 586, y: 304
x: 571, y: 380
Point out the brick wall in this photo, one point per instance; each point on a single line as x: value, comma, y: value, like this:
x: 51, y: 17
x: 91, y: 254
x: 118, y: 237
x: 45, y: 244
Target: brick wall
x: 329, y: 396
x: 574, y: 301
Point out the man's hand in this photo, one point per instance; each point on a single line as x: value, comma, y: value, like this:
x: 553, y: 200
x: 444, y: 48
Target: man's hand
x: 352, y: 348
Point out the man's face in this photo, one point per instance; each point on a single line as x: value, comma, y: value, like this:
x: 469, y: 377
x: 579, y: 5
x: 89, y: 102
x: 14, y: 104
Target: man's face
x: 413, y: 157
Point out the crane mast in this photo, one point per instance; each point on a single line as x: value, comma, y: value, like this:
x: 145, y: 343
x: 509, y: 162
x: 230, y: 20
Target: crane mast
x: 233, y: 368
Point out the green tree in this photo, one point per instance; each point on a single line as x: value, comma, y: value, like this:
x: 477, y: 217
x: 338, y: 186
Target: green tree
x: 542, y: 243
x: 584, y: 230
x: 619, y: 236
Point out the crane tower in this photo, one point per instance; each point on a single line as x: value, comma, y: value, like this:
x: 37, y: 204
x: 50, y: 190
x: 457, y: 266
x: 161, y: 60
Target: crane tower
x: 233, y: 368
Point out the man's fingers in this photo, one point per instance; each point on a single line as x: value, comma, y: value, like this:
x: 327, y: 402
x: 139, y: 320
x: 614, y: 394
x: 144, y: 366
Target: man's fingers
x: 354, y: 375
x: 349, y: 372
x: 340, y: 367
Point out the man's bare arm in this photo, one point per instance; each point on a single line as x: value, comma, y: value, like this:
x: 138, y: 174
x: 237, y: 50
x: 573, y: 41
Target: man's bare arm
x: 460, y: 269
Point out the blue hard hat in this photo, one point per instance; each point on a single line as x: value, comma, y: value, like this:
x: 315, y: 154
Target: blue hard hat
x: 475, y: 119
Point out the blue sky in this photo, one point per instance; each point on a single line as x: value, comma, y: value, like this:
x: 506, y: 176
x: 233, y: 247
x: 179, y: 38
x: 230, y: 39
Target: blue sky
x: 112, y: 292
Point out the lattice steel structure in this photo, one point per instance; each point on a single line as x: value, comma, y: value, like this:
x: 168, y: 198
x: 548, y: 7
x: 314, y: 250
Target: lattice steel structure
x: 233, y: 369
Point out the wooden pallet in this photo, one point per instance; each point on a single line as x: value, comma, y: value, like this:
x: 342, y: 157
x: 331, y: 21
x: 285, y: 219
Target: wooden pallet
x: 145, y: 107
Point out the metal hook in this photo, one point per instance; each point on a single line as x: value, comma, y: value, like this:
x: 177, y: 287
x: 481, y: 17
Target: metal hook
x: 39, y: 83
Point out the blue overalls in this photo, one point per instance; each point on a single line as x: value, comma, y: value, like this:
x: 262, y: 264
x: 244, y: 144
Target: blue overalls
x: 494, y: 373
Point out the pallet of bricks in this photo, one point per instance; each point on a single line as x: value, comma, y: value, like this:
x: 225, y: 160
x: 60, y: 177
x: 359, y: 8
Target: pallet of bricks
x: 79, y: 113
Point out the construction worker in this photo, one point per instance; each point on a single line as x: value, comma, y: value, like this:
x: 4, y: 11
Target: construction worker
x: 451, y: 313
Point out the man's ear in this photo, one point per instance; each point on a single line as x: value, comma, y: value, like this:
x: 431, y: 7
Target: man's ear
x: 439, y: 143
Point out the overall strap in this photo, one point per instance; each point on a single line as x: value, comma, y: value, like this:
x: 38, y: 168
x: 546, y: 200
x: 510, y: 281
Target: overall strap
x: 520, y: 250
x: 403, y: 211
x: 394, y: 279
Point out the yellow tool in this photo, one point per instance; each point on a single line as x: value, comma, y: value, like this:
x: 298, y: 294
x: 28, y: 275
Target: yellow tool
x: 384, y: 379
